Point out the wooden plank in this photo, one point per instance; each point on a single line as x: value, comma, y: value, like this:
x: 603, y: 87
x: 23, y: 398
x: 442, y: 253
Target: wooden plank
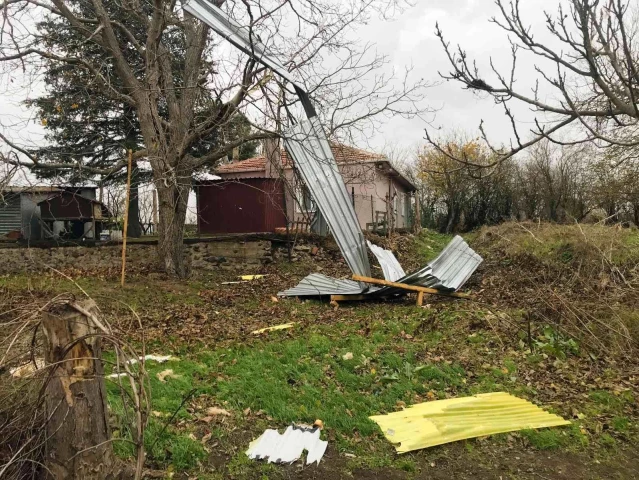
x: 349, y: 298
x: 420, y: 299
x: 412, y: 288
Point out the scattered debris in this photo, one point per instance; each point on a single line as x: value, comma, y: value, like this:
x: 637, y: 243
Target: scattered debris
x: 250, y: 278
x: 288, y: 447
x: 347, y: 356
x: 446, y: 274
x: 164, y: 374
x: 271, y: 329
x: 443, y: 421
x: 28, y: 369
x: 154, y: 358
x: 217, y: 411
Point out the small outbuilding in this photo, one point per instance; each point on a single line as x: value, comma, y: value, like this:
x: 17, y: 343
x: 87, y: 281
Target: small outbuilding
x: 68, y: 215
x: 31, y: 213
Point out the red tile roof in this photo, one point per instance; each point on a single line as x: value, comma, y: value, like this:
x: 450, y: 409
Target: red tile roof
x: 342, y: 154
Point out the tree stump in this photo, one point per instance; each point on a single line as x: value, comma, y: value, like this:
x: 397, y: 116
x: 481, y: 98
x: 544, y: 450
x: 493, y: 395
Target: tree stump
x: 78, y: 432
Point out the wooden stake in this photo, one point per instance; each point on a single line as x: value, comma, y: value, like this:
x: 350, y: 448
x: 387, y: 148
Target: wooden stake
x: 126, y: 216
x: 412, y: 288
x: 348, y: 298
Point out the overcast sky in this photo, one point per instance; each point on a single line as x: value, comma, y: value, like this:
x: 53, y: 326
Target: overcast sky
x: 408, y: 40
x: 411, y: 40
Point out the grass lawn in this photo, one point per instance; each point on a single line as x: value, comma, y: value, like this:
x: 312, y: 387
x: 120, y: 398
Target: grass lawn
x: 342, y: 365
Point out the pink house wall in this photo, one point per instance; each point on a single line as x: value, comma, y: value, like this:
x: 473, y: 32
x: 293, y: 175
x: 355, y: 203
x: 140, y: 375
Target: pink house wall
x: 371, y: 188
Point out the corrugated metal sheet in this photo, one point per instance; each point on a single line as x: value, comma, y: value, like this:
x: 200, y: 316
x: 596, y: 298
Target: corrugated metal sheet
x: 316, y: 285
x: 311, y: 152
x: 434, y: 423
x: 239, y: 36
x: 10, y: 215
x: 241, y: 206
x: 288, y: 447
x: 393, y: 271
x: 448, y: 272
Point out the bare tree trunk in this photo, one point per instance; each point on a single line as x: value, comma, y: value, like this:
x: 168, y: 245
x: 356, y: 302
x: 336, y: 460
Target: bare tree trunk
x: 78, y: 435
x: 173, y: 202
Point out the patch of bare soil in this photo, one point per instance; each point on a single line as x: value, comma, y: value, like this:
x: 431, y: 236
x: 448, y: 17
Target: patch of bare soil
x: 455, y: 461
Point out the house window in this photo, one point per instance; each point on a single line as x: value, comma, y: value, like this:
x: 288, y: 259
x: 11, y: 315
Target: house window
x: 303, y: 201
x: 403, y: 204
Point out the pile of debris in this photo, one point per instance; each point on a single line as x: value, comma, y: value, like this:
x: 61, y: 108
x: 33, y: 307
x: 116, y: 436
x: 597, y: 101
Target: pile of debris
x: 446, y: 274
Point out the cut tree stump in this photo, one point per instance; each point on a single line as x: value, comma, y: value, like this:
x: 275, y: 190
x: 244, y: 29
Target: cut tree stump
x: 78, y: 435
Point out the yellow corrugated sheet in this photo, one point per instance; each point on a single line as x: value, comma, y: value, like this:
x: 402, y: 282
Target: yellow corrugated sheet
x: 433, y: 423
x: 276, y: 327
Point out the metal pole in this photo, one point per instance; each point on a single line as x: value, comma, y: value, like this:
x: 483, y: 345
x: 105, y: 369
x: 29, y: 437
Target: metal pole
x: 126, y: 216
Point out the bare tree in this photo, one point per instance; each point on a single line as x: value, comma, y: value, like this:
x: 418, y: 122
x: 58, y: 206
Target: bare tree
x: 594, y: 60
x: 312, y: 37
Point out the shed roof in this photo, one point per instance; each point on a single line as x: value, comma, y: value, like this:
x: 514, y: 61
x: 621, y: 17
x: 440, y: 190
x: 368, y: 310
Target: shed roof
x: 342, y: 154
x: 31, y: 189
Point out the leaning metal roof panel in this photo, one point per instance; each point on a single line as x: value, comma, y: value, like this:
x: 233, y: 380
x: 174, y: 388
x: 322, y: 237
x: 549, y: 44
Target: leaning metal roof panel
x: 311, y: 152
x: 241, y: 37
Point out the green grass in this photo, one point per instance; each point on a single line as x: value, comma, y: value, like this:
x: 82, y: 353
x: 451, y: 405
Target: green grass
x: 401, y: 355
x: 301, y: 375
x: 429, y: 243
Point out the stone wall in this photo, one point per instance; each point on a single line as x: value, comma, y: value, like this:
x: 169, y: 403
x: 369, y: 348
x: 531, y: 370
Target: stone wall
x: 201, y: 256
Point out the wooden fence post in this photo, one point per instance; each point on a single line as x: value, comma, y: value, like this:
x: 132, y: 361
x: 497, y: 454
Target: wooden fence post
x: 126, y: 217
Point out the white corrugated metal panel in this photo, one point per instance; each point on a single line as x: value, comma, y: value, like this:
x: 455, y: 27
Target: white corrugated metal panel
x: 10, y: 216
x: 311, y: 152
x: 393, y: 271
x: 237, y: 35
x: 316, y: 285
x: 288, y: 447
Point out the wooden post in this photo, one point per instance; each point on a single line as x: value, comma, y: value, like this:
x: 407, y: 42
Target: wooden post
x: 126, y: 216
x: 417, y: 227
x: 420, y: 299
x: 77, y: 431
x: 373, y: 214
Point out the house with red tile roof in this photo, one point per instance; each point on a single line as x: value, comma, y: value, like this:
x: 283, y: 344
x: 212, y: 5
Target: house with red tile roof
x: 264, y: 193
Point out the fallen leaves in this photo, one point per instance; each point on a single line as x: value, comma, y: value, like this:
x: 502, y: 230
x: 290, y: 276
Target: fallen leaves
x: 213, y: 411
x: 347, y: 356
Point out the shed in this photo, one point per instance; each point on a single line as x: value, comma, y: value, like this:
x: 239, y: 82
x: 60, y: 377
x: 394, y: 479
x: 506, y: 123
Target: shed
x: 252, y: 205
x: 75, y: 216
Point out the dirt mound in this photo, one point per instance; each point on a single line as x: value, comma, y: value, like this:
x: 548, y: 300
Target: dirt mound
x: 579, y: 281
